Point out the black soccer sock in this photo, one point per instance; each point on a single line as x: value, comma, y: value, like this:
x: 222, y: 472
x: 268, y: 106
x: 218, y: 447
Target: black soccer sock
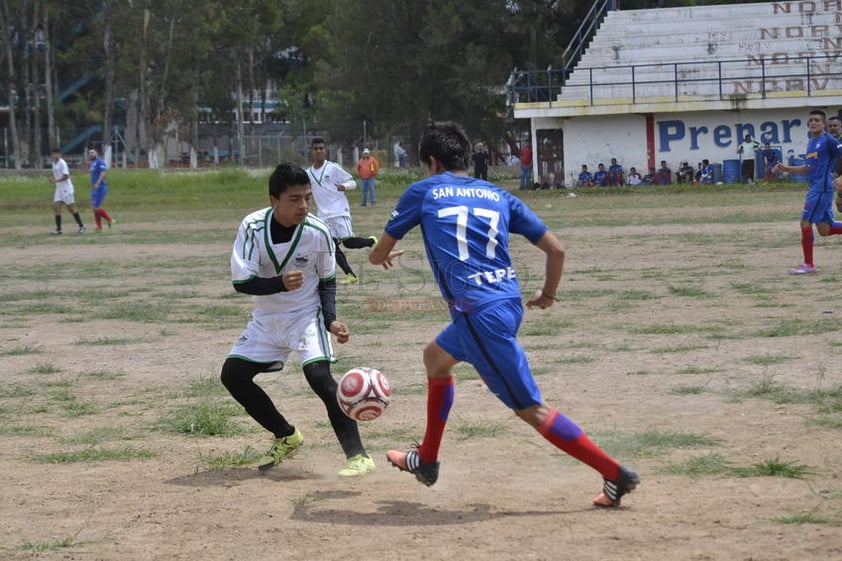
x: 347, y: 432
x: 238, y: 378
x: 58, y: 222
x: 342, y: 261
x: 358, y: 243
x: 78, y: 219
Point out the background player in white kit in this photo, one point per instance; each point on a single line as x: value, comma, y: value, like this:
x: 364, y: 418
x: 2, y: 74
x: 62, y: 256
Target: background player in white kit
x: 64, y: 194
x: 329, y: 182
x: 283, y: 257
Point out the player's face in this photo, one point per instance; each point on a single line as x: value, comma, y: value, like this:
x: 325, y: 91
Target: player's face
x: 834, y: 127
x: 292, y: 206
x: 319, y: 153
x: 816, y: 124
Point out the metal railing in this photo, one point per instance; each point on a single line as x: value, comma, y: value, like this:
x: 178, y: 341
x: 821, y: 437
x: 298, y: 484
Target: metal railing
x: 586, y: 30
x: 721, y: 80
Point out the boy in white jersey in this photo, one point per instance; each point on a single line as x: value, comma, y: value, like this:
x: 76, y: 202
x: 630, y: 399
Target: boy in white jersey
x: 64, y: 194
x: 329, y: 183
x: 283, y: 257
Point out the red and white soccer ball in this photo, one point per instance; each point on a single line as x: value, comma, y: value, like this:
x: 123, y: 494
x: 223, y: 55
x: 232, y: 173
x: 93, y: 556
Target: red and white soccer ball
x: 363, y: 393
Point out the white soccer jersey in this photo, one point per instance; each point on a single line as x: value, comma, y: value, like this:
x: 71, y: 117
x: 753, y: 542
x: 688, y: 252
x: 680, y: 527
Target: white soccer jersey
x: 64, y: 189
x: 310, y: 250
x: 330, y: 201
x: 60, y: 169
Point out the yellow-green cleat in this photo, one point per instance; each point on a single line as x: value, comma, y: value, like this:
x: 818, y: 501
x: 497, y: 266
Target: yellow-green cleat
x: 350, y: 279
x: 358, y: 465
x: 282, y: 448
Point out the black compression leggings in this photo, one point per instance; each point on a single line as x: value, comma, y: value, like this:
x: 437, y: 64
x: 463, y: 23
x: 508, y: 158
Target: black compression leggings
x: 342, y: 260
x: 238, y: 378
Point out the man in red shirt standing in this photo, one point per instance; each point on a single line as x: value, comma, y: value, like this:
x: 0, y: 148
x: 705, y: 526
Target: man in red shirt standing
x: 367, y: 168
x: 526, y: 165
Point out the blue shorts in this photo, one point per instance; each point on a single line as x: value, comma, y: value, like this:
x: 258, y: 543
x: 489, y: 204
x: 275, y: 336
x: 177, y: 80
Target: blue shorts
x: 487, y: 339
x: 98, y: 196
x: 818, y: 207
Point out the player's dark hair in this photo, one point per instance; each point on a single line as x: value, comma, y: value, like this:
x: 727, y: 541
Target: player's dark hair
x: 286, y: 175
x: 819, y: 112
x: 834, y: 118
x: 317, y: 140
x: 447, y: 143
x: 55, y: 150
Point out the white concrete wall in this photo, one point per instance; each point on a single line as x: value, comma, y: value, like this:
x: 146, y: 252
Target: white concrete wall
x: 675, y: 137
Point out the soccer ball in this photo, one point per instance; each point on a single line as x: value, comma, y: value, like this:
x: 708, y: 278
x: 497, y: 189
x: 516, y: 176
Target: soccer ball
x: 363, y: 393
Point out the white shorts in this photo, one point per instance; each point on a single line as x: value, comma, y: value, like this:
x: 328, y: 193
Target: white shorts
x: 271, y: 338
x: 64, y: 195
x: 340, y: 227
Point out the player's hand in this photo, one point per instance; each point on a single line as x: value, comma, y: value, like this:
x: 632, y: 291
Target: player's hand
x: 388, y: 263
x: 340, y: 331
x: 293, y: 280
x: 340, y: 187
x: 540, y: 300
x: 838, y: 184
x: 777, y: 168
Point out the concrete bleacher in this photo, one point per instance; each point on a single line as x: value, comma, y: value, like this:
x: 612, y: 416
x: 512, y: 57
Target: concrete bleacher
x: 772, y: 49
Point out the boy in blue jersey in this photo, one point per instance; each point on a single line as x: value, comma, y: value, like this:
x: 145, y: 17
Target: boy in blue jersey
x: 99, y: 188
x: 822, y: 150
x: 600, y: 178
x: 585, y: 178
x: 466, y: 224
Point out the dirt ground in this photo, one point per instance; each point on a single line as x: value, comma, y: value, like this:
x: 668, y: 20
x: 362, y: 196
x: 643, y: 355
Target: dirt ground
x: 648, y: 336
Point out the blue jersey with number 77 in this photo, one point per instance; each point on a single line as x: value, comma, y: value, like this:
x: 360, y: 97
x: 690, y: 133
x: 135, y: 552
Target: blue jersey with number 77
x: 466, y: 224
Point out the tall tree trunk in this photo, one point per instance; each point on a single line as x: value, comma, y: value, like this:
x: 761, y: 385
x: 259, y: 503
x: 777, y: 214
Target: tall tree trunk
x: 6, y: 24
x: 162, y: 90
x: 240, y: 132
x: 143, y: 93
x: 52, y: 133
x: 36, y: 91
x: 108, y: 49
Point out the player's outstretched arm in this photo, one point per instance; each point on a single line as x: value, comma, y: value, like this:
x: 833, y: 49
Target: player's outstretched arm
x: 382, y: 253
x: 553, y: 268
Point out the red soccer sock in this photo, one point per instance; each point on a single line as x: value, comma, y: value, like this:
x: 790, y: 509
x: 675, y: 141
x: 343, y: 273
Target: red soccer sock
x: 104, y: 214
x: 566, y: 435
x: 439, y: 402
x: 97, y: 219
x: 807, y: 244
x: 835, y: 229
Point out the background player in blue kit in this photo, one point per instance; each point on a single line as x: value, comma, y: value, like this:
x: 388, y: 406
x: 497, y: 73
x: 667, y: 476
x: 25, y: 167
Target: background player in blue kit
x: 466, y: 224
x: 99, y: 188
x: 822, y: 150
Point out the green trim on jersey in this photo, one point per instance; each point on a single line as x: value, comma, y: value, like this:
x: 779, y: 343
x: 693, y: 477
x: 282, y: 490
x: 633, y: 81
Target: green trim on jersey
x: 267, y: 236
x: 254, y: 229
x: 324, y: 343
x: 244, y: 281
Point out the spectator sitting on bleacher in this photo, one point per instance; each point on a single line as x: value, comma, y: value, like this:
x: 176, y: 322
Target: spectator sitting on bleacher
x: 706, y: 177
x: 585, y: 178
x: 650, y: 178
x: 600, y: 178
x: 684, y: 173
x: 664, y: 174
x: 615, y: 173
x: 633, y: 178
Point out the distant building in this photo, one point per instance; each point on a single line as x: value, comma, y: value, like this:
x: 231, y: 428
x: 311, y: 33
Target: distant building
x: 684, y: 84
